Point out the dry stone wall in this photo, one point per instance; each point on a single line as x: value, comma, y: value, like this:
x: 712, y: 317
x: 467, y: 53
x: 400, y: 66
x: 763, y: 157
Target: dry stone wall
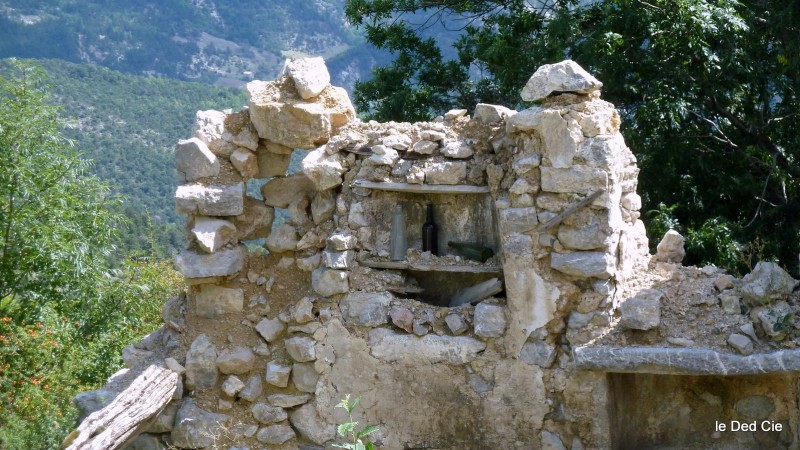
x: 268, y: 343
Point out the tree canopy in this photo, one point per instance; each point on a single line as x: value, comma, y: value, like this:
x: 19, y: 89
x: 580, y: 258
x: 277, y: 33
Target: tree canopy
x: 708, y: 92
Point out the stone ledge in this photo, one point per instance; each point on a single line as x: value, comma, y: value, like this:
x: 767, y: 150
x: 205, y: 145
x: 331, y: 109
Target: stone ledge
x: 683, y: 361
x: 422, y: 188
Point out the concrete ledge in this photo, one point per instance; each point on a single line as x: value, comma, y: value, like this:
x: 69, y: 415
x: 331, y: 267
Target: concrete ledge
x: 683, y: 361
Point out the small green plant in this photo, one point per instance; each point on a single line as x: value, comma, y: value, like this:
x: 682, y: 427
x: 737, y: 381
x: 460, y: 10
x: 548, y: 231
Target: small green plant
x: 348, y: 430
x: 784, y: 323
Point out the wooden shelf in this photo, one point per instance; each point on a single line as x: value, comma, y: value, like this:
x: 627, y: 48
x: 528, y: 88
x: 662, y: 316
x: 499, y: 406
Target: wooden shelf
x: 422, y: 267
x: 422, y: 188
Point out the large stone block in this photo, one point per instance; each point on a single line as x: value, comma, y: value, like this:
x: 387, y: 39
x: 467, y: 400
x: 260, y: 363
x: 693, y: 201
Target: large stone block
x: 324, y: 170
x: 767, y: 282
x: 219, y: 264
x: 584, y: 264
x: 215, y: 200
x: 255, y: 222
x: 245, y: 162
x: 566, y: 76
x: 605, y: 152
x: 576, y: 179
x: 389, y: 346
x: 445, y: 172
x: 642, y: 311
x: 212, y: 234
x: 209, y: 127
x: 211, y: 301
x: 517, y: 220
x: 328, y: 282
x: 281, y: 192
x: 201, y: 364
x: 194, y: 160
x: 310, y: 76
x: 272, y: 160
x: 367, y: 309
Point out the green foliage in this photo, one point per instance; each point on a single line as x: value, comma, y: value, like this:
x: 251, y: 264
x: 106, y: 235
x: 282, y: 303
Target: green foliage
x: 708, y: 93
x: 348, y: 429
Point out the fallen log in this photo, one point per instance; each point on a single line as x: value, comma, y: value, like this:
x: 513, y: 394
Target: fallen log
x: 127, y: 415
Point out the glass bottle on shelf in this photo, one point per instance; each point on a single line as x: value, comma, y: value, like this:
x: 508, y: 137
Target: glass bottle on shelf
x: 429, y: 235
x: 398, y: 238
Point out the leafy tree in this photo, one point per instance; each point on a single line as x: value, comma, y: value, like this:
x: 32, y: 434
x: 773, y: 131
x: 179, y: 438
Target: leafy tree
x: 708, y: 91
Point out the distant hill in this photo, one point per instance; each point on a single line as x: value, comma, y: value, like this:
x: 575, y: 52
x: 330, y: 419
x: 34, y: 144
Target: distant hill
x: 217, y: 42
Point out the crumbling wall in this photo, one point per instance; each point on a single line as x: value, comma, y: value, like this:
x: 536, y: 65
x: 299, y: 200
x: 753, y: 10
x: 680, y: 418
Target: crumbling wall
x: 272, y: 340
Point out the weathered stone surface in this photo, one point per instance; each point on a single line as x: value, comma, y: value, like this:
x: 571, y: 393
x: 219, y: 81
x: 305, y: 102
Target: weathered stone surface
x: 194, y: 160
x: 588, y: 230
x: 303, y: 311
x: 278, y: 374
x: 683, y: 361
x: 201, y: 364
x: 245, y: 162
x: 301, y: 348
x: 456, y: 324
x: 457, y: 150
x: 575, y: 179
x: 488, y: 114
x: 275, y: 434
x: 324, y: 170
x: 757, y: 407
x: 767, y: 282
x: 280, y: 192
x: 211, y: 301
x: 270, y: 329
x: 642, y: 311
x: 211, y: 234
x: 305, y: 377
x: 445, y: 172
x: 310, y: 76
x: 255, y: 222
x: 328, y: 282
x: 566, y: 76
x: 383, y: 156
x: 266, y: 414
x: 232, y: 386
x: 584, y: 264
x: 517, y: 220
x: 288, y: 400
x: 341, y: 241
x: 195, y: 427
x: 253, y: 388
x: 284, y: 239
x: 538, y: 353
x: 670, y: 249
x: 310, y: 263
x: 605, y: 152
x: 271, y: 163
x: 402, y: 318
x: 731, y: 304
x: 146, y: 442
x: 281, y: 116
x: 389, y: 346
x: 551, y: 441
x: 219, y: 264
x: 770, y: 317
x: 222, y: 200
x: 339, y: 260
x: 397, y: 141
x: 323, y: 206
x: 237, y: 360
x: 208, y: 127
x: 490, y: 320
x: 310, y: 425
x: 741, y: 343
x: 366, y: 309
x: 424, y: 147
x: 239, y: 131
x: 132, y: 356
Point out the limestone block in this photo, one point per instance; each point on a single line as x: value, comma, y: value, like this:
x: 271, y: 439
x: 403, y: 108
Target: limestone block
x: 566, y: 76
x: 454, y: 114
x: 415, y: 175
x: 253, y: 388
x: 539, y: 354
x: 211, y: 234
x: 196, y: 427
x: 219, y: 264
x: 339, y: 260
x: 284, y: 239
x: 383, y: 156
x: 194, y: 160
x: 275, y: 434
x: 767, y: 282
x: 232, y: 386
x: 741, y: 343
x: 670, y: 249
x: 490, y: 320
x: 489, y: 114
x: 322, y: 206
x: 576, y: 179
x: 402, y: 318
x: 584, y: 264
x: 356, y: 217
x: 526, y: 164
x: 303, y: 311
x: 328, y: 282
x: 588, y: 230
x: 237, y: 361
x: 278, y: 374
x: 605, y: 152
x: 305, y: 377
x: 288, y: 400
x: 245, y: 162
x: 201, y: 364
x: 366, y: 309
x: 269, y: 162
x: 310, y: 76
x: 599, y: 118
x: 208, y: 127
x: 311, y: 240
x: 389, y: 346
x: 256, y: 220
x: 301, y: 348
x: 266, y: 414
x: 310, y: 263
x: 396, y: 141
x: 341, y: 240
x: 770, y: 316
x: 307, y: 421
x: 631, y: 201
x: 324, y: 170
x: 270, y: 329
x: 521, y: 187
x: 211, y: 301
x: 280, y: 192
x: 457, y: 150
x: 731, y: 304
x: 282, y: 117
x: 456, y: 324
x: 239, y: 131
x: 432, y: 135
x: 424, y: 147
x: 642, y: 311
x: 215, y: 200
x: 445, y: 172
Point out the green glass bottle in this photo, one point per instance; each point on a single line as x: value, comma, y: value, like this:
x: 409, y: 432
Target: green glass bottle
x: 471, y: 250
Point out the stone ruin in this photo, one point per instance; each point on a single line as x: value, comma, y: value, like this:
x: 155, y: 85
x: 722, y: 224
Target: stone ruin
x: 570, y: 336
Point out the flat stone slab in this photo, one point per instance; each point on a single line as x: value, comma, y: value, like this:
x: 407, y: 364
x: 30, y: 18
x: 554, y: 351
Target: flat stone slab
x: 683, y: 361
x: 389, y: 346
